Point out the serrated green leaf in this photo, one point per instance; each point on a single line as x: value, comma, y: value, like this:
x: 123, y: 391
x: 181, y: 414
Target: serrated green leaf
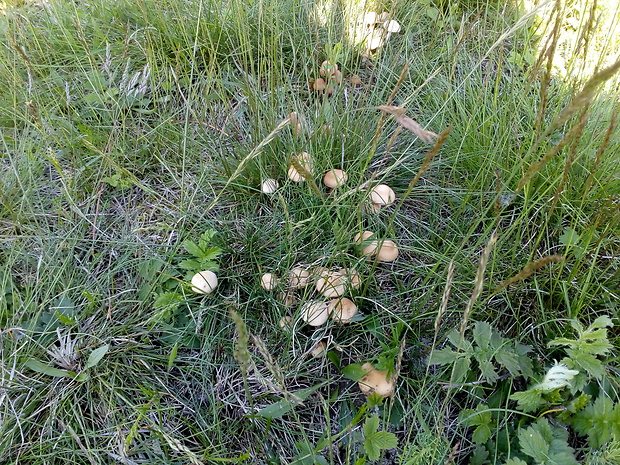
x: 570, y: 237
x: 602, y: 321
x: 41, y: 367
x: 371, y: 425
x: 96, y: 355
x: 588, y: 362
x: 443, y: 357
x: 600, y: 421
x: 385, y: 440
x: 528, y: 401
x: 482, y: 334
x: 514, y: 461
x: 480, y: 456
x: 460, y: 369
x: 509, y: 360
x: 65, y: 319
x: 481, y: 434
x: 192, y: 248
x: 488, y: 371
x: 190, y: 265
x: 535, y: 443
x: 211, y: 253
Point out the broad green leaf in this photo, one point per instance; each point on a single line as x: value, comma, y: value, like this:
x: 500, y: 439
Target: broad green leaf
x: 460, y: 370
x: 41, y: 367
x: 588, y: 362
x: 191, y: 265
x: 534, y: 444
x: 192, y: 248
x: 65, y: 319
x: 509, y: 360
x: 482, y: 334
x: 488, y: 371
x: 371, y: 425
x: 282, y: 407
x: 570, y: 237
x: 600, y: 421
x: 211, y: 253
x: 515, y: 461
x: 96, y: 355
x: 481, y: 434
x: 602, y: 321
x: 173, y: 356
x: 528, y: 401
x: 354, y: 372
x: 443, y: 357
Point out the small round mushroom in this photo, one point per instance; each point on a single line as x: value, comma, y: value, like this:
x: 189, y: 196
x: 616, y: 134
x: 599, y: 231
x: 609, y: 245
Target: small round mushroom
x: 390, y: 27
x: 376, y: 381
x: 305, y: 160
x: 318, y: 349
x: 355, y: 80
x: 315, y: 312
x: 204, y: 282
x: 268, y: 281
x: 383, y: 17
x: 319, y: 85
x: 352, y: 277
x: 286, y: 323
x: 368, y: 248
x: 328, y: 68
x: 382, y: 195
x: 342, y: 310
x: 387, y: 251
x: 298, y: 277
x: 333, y: 285
x: 269, y: 186
x: 335, y: 178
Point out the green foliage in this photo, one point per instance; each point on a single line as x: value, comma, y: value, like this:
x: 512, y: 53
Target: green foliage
x: 599, y: 421
x: 546, y: 444
x: 489, y: 349
x: 374, y: 440
x: 204, y: 254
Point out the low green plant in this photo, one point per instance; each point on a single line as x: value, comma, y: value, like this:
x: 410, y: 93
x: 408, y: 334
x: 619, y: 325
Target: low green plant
x: 573, y: 395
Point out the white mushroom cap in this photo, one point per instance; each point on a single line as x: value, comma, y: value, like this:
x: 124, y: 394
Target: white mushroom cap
x: 335, y: 178
x: 382, y: 194
x: 376, y: 381
x: 391, y: 26
x: 332, y: 285
x: 298, y: 277
x: 268, y: 281
x: 269, y: 186
x: 368, y: 247
x: 315, y: 312
x: 204, y: 282
x: 383, y: 17
x: 370, y: 18
x: 342, y: 310
x: 387, y: 252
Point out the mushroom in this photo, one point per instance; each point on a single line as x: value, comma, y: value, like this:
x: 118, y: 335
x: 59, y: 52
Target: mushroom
x: 305, y: 161
x: 319, y: 85
x: 286, y: 323
x: 315, y: 312
x: 368, y: 248
x: 391, y: 26
x: 376, y: 381
x: 383, y: 17
x: 370, y: 19
x: 295, y: 122
x: 268, y: 281
x: 318, y: 349
x: 382, y: 195
x: 269, y: 186
x: 355, y: 80
x: 328, y: 68
x: 204, y: 282
x: 335, y: 178
x: 352, y: 277
x: 287, y: 299
x: 332, y: 285
x: 387, y: 251
x: 342, y: 310
x: 298, y: 277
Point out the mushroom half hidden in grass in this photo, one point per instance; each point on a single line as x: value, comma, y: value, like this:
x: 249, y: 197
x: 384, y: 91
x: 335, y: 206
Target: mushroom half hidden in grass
x: 376, y: 381
x: 342, y: 310
x: 269, y: 186
x: 204, y: 282
x: 301, y: 167
x: 335, y: 178
x: 315, y: 312
x: 268, y: 281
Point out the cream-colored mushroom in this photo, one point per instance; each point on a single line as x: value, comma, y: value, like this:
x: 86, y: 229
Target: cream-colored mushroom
x: 335, y: 178
x: 269, y: 186
x: 352, y: 277
x: 332, y: 285
x: 204, y: 282
x: 342, y: 310
x: 314, y: 313
x: 390, y: 27
x: 298, y: 277
x: 376, y: 381
x: 382, y: 195
x: 268, y: 281
x: 304, y: 160
x: 387, y: 251
x: 286, y: 323
x: 318, y: 349
x: 368, y: 248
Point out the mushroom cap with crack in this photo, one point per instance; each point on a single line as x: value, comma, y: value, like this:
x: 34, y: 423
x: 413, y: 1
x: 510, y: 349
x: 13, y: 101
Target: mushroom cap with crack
x: 204, y: 282
x: 342, y: 310
x: 382, y: 194
x: 268, y: 281
x: 376, y: 381
x: 335, y: 178
x: 269, y: 186
x: 315, y: 312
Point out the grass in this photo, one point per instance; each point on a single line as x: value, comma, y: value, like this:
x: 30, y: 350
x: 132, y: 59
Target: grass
x: 131, y: 127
